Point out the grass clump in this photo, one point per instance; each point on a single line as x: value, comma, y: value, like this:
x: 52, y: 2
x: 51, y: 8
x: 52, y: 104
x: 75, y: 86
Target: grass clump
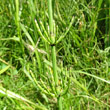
x: 54, y: 55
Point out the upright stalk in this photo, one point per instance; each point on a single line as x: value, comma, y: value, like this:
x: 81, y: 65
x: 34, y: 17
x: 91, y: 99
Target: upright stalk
x: 53, y: 49
x: 17, y: 17
x: 106, y: 27
x: 109, y: 26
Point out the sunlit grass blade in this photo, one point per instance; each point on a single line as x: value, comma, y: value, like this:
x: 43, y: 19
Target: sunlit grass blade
x: 94, y: 76
x: 18, y: 97
x: 27, y: 34
x: 33, y: 44
x: 4, y: 69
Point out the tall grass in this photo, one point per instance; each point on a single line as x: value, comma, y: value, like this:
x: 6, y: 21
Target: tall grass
x: 54, y: 58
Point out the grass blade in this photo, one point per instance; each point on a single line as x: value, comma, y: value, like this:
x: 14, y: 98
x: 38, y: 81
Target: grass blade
x: 5, y: 69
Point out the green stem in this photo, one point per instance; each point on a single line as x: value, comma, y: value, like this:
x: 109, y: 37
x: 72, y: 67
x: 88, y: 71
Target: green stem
x: 53, y: 49
x: 54, y: 65
x: 17, y: 17
x: 109, y: 25
x: 106, y: 28
x: 18, y: 24
x: 50, y: 16
x: 52, y: 42
x: 60, y: 103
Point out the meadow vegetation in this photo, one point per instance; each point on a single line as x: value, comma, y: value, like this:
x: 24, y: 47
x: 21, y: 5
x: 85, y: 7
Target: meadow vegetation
x: 54, y: 55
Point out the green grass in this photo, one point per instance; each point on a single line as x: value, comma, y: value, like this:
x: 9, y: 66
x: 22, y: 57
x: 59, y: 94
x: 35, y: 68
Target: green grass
x: 54, y: 55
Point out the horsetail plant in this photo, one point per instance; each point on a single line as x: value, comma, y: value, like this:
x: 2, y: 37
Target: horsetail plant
x: 53, y: 49
x: 51, y: 81
x: 51, y: 40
